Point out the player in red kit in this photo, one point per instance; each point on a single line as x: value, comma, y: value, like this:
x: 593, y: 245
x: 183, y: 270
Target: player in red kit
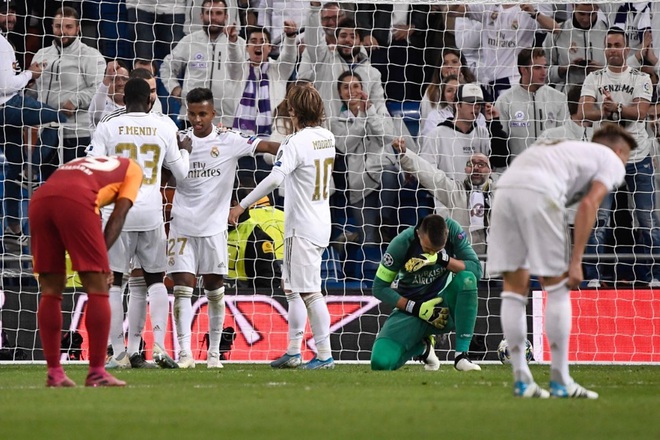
x: 64, y: 215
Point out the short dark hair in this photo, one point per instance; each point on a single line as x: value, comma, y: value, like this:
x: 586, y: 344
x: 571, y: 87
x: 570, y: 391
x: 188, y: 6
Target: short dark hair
x: 199, y: 94
x: 262, y: 30
x: 617, y: 31
x: 611, y: 131
x: 347, y: 23
x: 527, y: 55
x: 435, y: 227
x: 141, y: 73
x: 205, y: 2
x: 573, y: 99
x: 68, y: 12
x: 137, y: 91
x: 10, y: 6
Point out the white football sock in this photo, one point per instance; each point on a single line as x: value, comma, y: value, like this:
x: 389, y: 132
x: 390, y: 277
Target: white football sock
x: 216, y: 312
x: 297, y: 318
x: 514, y: 325
x: 558, y: 315
x: 159, y: 309
x: 137, y: 313
x: 183, y: 316
x: 116, y: 338
x: 319, y: 320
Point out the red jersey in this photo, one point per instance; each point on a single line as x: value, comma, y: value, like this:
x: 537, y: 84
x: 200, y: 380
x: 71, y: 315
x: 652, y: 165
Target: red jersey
x: 94, y: 181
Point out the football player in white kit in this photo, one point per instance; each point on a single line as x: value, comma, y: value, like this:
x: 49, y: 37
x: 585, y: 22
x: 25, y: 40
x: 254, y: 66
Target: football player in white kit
x: 304, y: 162
x: 151, y: 140
x: 528, y: 237
x: 197, y: 242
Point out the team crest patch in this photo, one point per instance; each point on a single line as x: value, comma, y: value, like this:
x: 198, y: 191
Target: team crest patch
x: 388, y: 260
x: 461, y: 235
x: 646, y: 87
x: 170, y: 262
x: 215, y: 152
x: 514, y: 25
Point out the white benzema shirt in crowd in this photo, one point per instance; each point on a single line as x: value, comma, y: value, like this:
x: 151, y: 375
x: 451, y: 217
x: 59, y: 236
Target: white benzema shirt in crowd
x: 624, y: 87
x: 564, y: 170
x: 306, y: 159
x: 202, y: 200
x: 149, y: 139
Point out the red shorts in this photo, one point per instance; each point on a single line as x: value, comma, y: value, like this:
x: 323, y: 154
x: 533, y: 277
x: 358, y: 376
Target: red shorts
x: 58, y: 224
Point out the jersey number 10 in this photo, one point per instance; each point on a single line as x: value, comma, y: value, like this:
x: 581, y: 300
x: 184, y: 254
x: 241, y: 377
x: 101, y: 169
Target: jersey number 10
x: 323, y: 174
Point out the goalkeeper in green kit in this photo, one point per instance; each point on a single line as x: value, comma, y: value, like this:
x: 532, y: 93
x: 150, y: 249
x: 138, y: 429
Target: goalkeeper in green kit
x: 429, y: 274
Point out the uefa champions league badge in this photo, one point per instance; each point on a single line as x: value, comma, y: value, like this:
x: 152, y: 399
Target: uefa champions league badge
x: 461, y: 235
x: 388, y: 260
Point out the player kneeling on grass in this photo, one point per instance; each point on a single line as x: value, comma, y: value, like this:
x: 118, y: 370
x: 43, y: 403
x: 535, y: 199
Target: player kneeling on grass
x: 435, y: 271
x: 64, y: 216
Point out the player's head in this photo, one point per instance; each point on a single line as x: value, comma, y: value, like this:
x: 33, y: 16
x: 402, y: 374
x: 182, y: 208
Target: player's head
x: 149, y: 77
x: 616, y: 47
x: 617, y: 138
x: 432, y: 233
x: 533, y: 67
x: 305, y: 106
x: 201, y: 111
x: 66, y: 26
x: 478, y: 169
x: 137, y: 95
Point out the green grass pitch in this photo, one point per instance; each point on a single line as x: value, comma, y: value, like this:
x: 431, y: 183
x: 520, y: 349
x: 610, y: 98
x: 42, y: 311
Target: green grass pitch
x: 351, y: 402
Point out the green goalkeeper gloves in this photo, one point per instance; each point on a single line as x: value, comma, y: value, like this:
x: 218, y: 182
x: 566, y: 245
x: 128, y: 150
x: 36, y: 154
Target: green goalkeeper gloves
x: 430, y: 311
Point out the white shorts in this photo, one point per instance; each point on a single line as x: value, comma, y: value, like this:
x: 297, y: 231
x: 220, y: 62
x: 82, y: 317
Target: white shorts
x: 147, y: 246
x: 301, y: 271
x: 197, y: 255
x: 527, y: 231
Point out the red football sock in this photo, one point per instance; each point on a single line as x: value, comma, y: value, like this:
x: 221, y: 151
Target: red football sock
x: 49, y: 316
x: 97, y: 321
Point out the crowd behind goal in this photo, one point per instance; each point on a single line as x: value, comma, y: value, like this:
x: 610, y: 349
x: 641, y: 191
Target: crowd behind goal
x: 429, y: 103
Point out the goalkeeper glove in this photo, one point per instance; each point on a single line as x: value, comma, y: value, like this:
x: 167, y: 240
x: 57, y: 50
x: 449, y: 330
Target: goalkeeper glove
x: 430, y: 311
x: 416, y: 263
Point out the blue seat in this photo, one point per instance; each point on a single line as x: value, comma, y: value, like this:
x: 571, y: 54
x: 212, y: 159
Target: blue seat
x: 409, y: 112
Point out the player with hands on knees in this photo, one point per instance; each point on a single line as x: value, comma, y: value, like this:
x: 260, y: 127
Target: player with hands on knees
x: 429, y: 274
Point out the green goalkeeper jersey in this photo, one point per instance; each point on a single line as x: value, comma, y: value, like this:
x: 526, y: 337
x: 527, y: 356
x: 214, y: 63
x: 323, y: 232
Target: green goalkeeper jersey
x: 393, y: 278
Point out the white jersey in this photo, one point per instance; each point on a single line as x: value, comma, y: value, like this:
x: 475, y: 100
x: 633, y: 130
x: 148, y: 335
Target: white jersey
x: 564, y: 170
x: 306, y: 159
x: 202, y: 200
x: 505, y: 31
x: 150, y: 139
x: 624, y: 88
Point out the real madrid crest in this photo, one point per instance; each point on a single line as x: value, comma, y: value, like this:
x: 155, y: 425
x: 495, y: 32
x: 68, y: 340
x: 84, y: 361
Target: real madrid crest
x: 215, y: 152
x: 514, y: 25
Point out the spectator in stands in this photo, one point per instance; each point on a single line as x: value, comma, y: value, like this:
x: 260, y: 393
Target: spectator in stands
x: 634, y: 18
x: 109, y: 98
x: 203, y: 56
x: 396, y: 33
x: 259, y: 83
x: 7, y: 17
x: 532, y: 106
x: 273, y: 15
x: 157, y: 26
x: 17, y: 111
x: 575, y: 128
x: 506, y: 28
x: 622, y: 95
x: 578, y: 48
x: 468, y: 200
x: 328, y: 63
x: 72, y: 73
x: 236, y: 10
x: 330, y: 15
x: 451, y: 144
x: 371, y: 181
x: 438, y: 103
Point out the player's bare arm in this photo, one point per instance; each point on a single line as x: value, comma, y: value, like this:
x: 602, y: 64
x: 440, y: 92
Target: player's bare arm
x: 268, y: 147
x: 116, y: 221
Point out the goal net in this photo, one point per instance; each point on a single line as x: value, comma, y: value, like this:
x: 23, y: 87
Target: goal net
x: 386, y: 71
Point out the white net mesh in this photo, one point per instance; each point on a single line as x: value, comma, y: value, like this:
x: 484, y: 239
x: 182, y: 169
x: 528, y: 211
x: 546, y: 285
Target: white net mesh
x: 405, y: 61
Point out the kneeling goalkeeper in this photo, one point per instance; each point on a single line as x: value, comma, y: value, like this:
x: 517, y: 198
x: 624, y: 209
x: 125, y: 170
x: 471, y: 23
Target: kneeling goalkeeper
x: 429, y: 273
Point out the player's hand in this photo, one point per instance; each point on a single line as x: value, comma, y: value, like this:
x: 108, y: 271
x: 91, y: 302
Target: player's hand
x: 399, y: 145
x: 36, y: 69
x: 575, y: 275
x: 185, y: 143
x: 430, y: 311
x: 234, y: 213
x: 419, y: 261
